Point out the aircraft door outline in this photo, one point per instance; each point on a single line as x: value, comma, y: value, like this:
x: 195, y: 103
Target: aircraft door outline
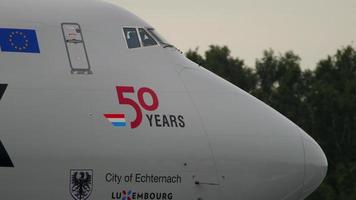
x: 76, y: 49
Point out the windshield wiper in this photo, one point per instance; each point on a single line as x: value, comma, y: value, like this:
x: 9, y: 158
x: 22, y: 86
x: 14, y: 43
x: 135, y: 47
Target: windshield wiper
x: 165, y: 45
x: 171, y: 46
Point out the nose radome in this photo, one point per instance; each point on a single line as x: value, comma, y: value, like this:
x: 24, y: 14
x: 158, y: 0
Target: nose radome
x: 316, y: 165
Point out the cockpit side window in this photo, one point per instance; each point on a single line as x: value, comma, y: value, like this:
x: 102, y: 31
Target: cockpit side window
x: 146, y: 39
x: 132, y: 38
x: 159, y: 38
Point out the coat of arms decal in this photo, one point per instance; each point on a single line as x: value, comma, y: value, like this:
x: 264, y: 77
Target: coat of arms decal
x: 81, y: 183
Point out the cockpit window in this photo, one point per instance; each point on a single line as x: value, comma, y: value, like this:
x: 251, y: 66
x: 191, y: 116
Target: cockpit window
x: 146, y: 39
x: 132, y: 38
x: 143, y: 37
x: 159, y: 38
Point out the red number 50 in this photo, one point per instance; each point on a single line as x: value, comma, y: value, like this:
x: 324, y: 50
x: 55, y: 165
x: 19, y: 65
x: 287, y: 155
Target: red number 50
x: 140, y: 96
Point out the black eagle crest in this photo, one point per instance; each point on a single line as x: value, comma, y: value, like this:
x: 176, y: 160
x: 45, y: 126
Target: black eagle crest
x: 81, y: 184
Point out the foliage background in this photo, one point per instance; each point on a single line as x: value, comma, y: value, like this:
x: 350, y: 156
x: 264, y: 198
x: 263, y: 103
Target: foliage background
x: 321, y: 101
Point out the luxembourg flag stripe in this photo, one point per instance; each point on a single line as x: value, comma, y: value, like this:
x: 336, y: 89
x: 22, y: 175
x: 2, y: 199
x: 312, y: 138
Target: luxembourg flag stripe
x: 114, y: 115
x: 119, y: 124
x: 117, y: 120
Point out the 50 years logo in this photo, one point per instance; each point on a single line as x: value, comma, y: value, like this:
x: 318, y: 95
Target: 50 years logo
x: 154, y: 119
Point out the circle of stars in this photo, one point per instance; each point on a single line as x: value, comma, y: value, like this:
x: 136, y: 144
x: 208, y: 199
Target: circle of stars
x: 14, y: 42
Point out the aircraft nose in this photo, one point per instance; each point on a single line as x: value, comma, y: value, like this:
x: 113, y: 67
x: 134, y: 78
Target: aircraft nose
x: 316, y: 165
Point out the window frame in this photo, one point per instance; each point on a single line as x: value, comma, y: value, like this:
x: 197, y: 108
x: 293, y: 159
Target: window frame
x: 139, y: 37
x: 125, y: 38
x: 146, y: 31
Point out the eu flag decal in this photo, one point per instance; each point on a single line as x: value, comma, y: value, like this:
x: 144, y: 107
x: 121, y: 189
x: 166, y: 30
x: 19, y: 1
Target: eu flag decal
x: 19, y: 40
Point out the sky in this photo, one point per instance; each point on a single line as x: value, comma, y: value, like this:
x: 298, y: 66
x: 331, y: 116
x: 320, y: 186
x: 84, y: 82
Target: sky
x: 312, y: 29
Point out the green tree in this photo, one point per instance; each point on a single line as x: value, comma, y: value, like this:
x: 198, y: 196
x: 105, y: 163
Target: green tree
x: 282, y: 84
x: 333, y: 101
x: 194, y: 56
